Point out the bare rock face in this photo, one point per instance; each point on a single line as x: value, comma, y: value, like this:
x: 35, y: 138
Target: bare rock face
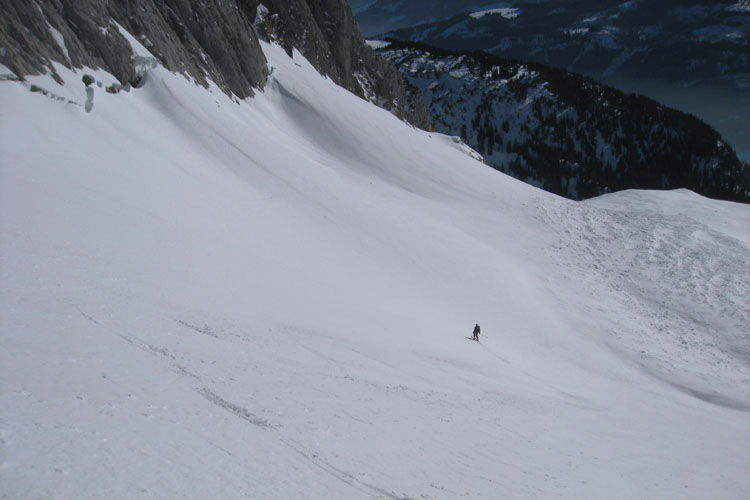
x: 206, y: 39
x: 32, y: 36
x: 211, y: 38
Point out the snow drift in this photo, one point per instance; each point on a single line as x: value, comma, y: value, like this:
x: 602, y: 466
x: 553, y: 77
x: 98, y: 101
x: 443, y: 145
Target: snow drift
x: 211, y: 298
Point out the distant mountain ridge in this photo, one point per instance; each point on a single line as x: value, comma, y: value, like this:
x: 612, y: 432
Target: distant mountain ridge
x: 691, y: 56
x: 565, y: 132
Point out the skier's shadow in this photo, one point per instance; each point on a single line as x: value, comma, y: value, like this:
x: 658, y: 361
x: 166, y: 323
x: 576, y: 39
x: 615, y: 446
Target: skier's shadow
x: 488, y: 350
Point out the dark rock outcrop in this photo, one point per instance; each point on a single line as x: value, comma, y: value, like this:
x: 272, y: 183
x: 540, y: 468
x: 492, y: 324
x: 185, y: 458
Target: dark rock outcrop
x: 207, y: 39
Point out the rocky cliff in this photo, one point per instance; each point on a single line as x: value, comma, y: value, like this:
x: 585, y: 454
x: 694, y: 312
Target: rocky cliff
x: 208, y: 40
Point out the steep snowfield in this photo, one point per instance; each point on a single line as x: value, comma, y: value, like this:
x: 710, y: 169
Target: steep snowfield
x: 204, y: 298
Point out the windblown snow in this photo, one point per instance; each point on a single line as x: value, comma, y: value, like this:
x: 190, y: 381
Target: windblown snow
x: 270, y: 298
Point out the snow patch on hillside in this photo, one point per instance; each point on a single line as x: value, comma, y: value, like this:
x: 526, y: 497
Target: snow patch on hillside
x: 741, y: 6
x: 377, y: 44
x: 506, y: 12
x: 59, y: 40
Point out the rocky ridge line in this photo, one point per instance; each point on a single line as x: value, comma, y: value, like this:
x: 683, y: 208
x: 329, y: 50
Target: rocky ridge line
x: 210, y: 39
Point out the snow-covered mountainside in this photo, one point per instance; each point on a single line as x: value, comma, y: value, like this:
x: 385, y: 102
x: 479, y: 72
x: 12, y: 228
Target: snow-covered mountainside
x: 211, y: 297
x: 691, y: 56
x: 564, y: 132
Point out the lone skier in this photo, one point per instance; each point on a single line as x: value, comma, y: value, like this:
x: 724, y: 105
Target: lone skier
x: 476, y: 332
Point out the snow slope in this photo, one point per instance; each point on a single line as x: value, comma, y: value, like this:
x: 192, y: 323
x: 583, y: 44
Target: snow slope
x: 206, y: 298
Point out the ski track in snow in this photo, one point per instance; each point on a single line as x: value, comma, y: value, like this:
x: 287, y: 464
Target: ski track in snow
x: 241, y: 412
x: 314, y: 458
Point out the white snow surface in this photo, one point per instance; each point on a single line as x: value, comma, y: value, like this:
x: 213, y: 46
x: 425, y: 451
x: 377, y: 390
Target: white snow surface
x: 270, y: 299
